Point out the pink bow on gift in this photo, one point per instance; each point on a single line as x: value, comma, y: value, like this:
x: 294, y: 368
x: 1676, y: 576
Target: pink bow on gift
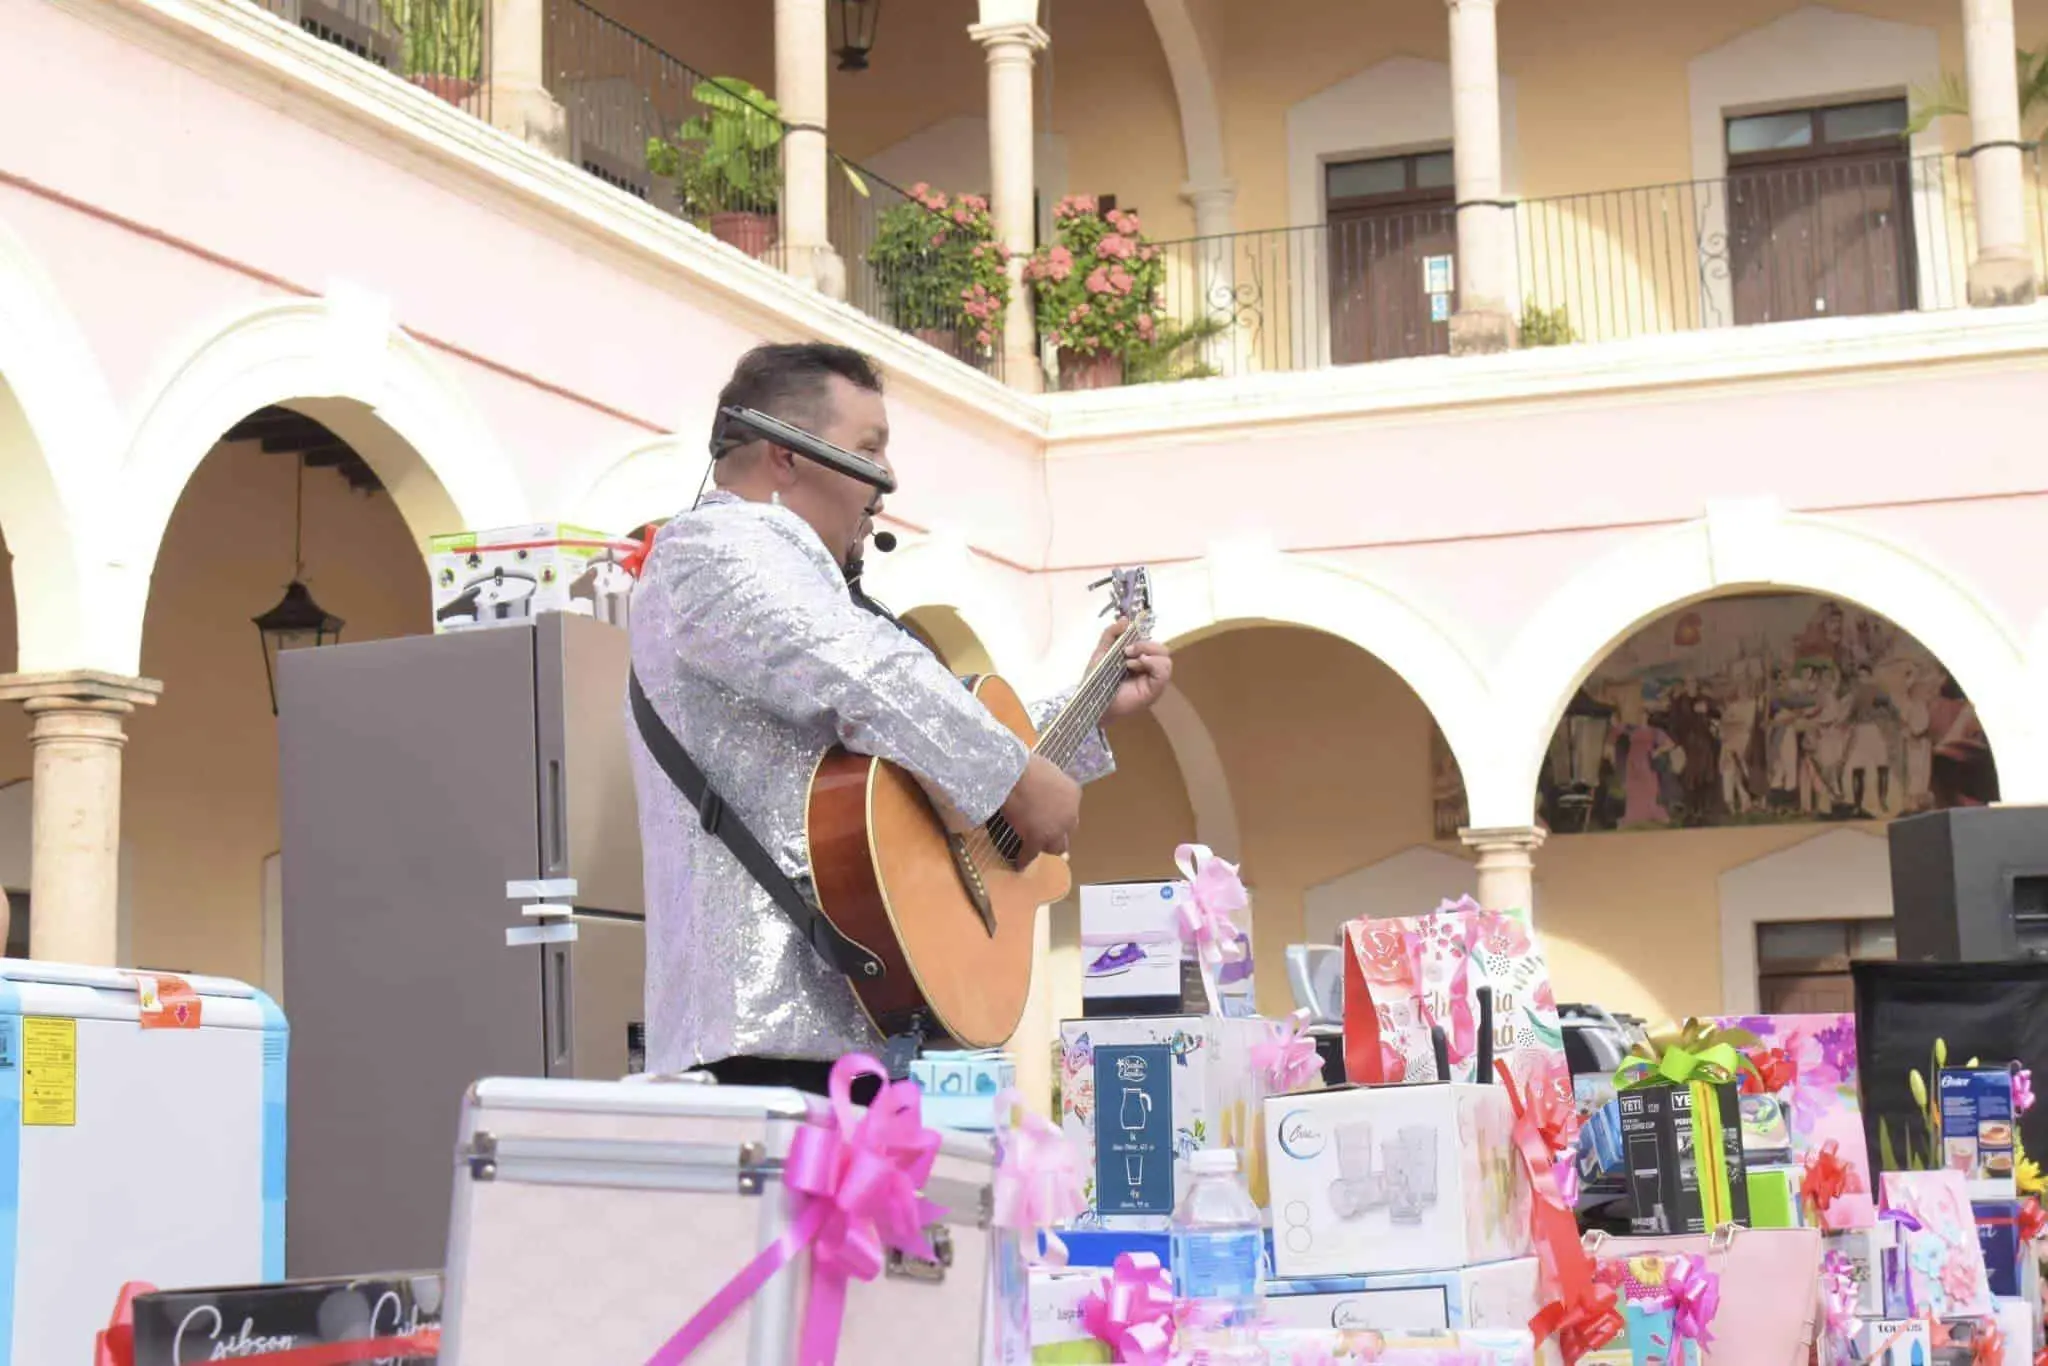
x: 1214, y: 892
x: 856, y: 1182
x: 1695, y: 1297
x: 1287, y: 1056
x: 1838, y: 1295
x: 1133, y: 1311
x: 1037, y: 1177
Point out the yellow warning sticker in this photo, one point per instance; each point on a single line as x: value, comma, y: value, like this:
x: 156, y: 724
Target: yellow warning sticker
x: 49, y: 1071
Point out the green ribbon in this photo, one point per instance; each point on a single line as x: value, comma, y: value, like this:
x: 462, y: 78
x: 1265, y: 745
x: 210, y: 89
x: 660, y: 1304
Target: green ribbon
x: 1698, y: 1058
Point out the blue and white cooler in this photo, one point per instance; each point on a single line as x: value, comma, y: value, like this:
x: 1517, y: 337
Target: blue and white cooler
x: 131, y: 1154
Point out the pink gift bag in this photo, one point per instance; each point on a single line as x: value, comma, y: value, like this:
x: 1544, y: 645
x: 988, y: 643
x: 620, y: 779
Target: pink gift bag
x: 1769, y: 1288
x: 1404, y: 976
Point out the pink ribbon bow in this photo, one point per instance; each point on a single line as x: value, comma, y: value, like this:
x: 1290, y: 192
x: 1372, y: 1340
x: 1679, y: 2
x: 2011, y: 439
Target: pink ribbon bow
x: 1287, y: 1056
x: 1838, y: 1295
x: 1695, y: 1297
x: 856, y: 1183
x: 1037, y: 1178
x: 1214, y: 892
x: 1133, y: 1311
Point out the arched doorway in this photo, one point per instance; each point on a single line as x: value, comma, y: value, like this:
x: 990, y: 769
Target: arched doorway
x: 200, y: 786
x: 1725, y: 734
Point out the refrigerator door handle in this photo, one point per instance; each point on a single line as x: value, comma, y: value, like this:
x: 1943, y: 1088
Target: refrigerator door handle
x: 558, y: 1011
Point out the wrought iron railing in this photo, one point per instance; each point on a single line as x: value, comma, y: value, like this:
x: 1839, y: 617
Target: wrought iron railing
x: 706, y: 149
x: 442, y: 46
x: 1859, y: 236
x: 911, y: 267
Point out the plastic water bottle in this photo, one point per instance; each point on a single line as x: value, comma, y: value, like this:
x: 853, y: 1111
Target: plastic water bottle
x: 1219, y: 1252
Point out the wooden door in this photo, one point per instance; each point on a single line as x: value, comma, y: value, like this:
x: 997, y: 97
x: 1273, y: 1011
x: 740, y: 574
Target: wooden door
x: 1386, y: 218
x: 1820, y: 218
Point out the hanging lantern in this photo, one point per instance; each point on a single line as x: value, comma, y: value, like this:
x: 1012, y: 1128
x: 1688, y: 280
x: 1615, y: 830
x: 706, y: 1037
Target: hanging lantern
x: 855, y: 20
x: 297, y: 622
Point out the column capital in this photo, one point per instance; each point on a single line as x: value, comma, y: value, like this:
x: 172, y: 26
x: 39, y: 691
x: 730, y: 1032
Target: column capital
x: 80, y: 690
x: 1505, y: 838
x: 1216, y: 192
x: 1017, y: 33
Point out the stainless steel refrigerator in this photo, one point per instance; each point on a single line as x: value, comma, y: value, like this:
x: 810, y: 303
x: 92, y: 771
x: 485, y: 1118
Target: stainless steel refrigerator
x: 418, y: 776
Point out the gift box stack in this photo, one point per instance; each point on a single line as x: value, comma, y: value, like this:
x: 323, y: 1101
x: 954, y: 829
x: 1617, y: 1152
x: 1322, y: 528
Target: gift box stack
x: 1944, y: 1271
x: 1401, y: 1211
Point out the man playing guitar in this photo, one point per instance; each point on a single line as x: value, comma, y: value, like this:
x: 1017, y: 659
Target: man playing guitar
x: 752, y: 650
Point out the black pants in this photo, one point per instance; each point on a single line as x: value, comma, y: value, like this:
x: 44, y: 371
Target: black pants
x: 814, y: 1077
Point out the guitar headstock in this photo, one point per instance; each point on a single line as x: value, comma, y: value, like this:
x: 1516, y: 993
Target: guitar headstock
x: 1130, y: 596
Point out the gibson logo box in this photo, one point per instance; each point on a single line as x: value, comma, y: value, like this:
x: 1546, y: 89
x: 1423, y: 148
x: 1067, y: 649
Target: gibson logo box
x: 185, y: 1327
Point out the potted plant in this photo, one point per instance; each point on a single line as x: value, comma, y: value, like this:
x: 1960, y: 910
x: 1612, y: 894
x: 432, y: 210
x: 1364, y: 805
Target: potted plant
x: 442, y: 44
x: 1096, y: 287
x: 725, y: 164
x: 937, y: 261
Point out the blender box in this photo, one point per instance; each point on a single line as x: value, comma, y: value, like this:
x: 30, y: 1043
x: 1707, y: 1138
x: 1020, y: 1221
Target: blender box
x: 1410, y: 1177
x: 504, y: 577
x: 1138, y: 1095
x: 1135, y: 963
x: 1977, y: 1126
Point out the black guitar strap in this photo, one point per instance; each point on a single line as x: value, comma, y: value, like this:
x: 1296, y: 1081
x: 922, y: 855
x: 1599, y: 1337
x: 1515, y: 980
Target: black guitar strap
x: 843, y: 954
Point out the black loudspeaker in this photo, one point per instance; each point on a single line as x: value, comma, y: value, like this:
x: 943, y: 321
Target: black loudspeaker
x: 1970, y: 884
x: 1996, y: 1012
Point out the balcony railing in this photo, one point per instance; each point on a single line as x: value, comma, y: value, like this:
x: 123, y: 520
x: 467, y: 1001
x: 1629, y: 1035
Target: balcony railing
x: 1771, y: 244
x: 442, y: 46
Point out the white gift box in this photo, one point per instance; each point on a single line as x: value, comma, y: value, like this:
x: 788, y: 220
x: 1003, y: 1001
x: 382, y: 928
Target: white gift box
x: 1138, y: 1095
x: 1394, y: 1178
x: 1056, y: 1298
x: 1133, y: 961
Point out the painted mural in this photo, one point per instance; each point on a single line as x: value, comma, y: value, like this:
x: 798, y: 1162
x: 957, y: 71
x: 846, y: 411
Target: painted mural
x: 1753, y: 709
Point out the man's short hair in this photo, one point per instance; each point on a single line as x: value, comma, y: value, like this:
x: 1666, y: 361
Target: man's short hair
x: 788, y: 379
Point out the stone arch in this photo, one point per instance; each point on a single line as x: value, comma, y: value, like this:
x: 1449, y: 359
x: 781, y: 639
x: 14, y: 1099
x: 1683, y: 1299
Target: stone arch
x: 1247, y: 585
x: 57, y: 441
x: 341, y: 361
x: 938, y: 577
x: 1186, y: 31
x: 650, y: 479
x: 1749, y: 546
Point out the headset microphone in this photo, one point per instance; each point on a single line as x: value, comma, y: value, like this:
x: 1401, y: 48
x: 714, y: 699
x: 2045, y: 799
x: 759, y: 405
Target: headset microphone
x: 885, y: 541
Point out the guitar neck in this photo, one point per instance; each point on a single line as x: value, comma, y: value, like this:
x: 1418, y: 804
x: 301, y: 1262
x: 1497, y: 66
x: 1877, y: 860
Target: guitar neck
x: 1066, y: 733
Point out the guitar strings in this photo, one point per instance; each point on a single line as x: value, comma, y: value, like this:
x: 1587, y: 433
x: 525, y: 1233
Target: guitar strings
x: 1061, y: 741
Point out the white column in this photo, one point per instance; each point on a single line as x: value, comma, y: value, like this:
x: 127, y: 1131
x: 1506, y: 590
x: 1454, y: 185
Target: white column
x: 1011, y: 51
x: 1216, y: 271
x: 516, y: 94
x: 2002, y: 272
x: 1507, y: 866
x: 1485, y: 318
x: 802, y: 53
x: 75, y: 872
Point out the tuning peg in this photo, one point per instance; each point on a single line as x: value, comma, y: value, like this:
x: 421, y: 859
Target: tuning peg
x: 1102, y: 582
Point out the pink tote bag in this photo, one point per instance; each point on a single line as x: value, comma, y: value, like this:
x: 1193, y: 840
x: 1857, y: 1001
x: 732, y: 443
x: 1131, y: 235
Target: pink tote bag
x: 1770, y: 1288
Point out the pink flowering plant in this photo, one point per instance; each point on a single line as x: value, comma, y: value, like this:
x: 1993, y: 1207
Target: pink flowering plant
x: 937, y: 259
x: 1097, y: 282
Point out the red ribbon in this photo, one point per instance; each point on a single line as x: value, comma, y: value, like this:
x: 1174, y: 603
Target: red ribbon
x: 634, y: 560
x: 1774, y: 1072
x: 2033, y: 1221
x: 1827, y: 1178
x: 1586, y: 1315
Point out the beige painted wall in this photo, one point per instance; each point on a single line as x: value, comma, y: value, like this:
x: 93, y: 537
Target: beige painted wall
x: 199, y: 811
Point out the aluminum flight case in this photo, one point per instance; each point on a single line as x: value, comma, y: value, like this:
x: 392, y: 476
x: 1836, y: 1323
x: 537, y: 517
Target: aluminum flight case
x: 591, y: 1220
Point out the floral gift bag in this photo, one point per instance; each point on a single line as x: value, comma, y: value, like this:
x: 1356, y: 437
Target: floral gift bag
x: 1403, y: 977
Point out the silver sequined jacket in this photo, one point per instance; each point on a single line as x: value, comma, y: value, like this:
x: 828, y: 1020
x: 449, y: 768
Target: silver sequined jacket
x: 748, y: 644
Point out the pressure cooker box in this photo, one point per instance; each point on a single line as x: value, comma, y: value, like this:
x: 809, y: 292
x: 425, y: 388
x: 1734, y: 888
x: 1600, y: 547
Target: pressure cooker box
x: 504, y: 577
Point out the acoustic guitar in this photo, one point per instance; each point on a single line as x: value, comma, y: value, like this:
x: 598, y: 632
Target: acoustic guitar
x: 951, y: 916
